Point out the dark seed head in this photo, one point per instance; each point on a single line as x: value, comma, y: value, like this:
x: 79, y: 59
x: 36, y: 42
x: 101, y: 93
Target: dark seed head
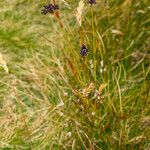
x: 55, y: 7
x: 92, y: 2
x: 84, y: 50
x: 49, y: 8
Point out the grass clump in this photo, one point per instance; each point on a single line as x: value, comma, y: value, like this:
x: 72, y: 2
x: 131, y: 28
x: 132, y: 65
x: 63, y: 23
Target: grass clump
x: 77, y: 80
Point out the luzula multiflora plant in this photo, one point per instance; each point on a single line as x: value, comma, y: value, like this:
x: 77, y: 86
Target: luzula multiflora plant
x: 84, y: 46
x: 88, y: 96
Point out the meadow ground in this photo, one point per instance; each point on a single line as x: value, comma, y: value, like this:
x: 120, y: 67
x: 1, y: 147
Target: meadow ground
x: 52, y: 98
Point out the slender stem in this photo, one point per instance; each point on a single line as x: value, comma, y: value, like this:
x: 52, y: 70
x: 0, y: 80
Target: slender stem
x: 57, y: 15
x: 92, y: 21
x: 93, y: 46
x: 54, y: 2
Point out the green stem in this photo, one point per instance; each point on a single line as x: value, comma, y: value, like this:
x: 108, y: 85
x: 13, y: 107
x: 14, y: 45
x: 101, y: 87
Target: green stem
x: 93, y: 47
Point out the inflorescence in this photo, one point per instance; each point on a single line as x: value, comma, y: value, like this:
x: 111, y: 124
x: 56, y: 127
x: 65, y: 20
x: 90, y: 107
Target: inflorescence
x: 84, y: 50
x: 50, y: 8
x: 92, y: 2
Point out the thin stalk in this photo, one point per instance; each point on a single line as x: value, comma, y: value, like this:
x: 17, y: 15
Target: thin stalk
x: 93, y: 43
x: 120, y: 97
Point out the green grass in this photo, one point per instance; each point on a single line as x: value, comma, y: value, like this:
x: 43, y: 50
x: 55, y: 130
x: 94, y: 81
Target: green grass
x: 52, y: 98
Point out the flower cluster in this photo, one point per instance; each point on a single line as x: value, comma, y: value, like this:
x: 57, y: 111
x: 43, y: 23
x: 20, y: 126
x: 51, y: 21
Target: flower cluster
x: 49, y: 8
x: 84, y: 50
x: 92, y: 2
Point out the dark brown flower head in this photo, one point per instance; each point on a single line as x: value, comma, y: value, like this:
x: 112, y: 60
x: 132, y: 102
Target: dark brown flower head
x: 84, y: 50
x: 92, y: 2
x: 56, y: 7
x: 49, y: 8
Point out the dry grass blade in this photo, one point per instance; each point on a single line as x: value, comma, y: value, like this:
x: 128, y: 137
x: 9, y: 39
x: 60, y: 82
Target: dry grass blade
x: 116, y: 31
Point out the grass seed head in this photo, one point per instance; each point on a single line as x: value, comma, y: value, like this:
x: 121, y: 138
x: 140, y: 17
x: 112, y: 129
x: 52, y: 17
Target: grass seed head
x: 92, y: 2
x: 79, y: 12
x: 3, y: 63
